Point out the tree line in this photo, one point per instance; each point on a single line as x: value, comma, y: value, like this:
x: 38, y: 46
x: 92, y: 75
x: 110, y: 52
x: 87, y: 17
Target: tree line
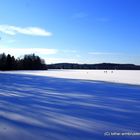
x: 34, y: 62
x: 28, y: 62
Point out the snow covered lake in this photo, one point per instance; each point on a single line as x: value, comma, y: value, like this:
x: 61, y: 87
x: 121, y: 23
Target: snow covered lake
x: 115, y: 76
x: 33, y: 106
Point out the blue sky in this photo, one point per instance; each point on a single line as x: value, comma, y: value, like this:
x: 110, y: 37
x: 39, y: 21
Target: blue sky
x: 79, y: 31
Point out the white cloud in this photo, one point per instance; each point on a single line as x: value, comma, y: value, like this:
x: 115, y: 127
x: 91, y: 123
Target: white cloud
x: 21, y: 51
x: 34, y: 31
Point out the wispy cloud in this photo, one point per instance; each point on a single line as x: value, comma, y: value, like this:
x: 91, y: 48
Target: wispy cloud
x: 21, y: 51
x: 50, y: 60
x: 34, y: 31
x: 78, y: 56
x: 80, y: 15
x: 11, y: 41
x: 69, y: 51
x: 103, y: 53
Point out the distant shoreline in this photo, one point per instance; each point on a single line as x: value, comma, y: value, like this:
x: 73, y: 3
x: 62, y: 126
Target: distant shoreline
x: 100, y: 66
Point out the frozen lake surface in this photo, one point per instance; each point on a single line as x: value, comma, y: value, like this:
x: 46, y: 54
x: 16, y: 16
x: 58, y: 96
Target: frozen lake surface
x: 50, y: 108
x: 115, y: 76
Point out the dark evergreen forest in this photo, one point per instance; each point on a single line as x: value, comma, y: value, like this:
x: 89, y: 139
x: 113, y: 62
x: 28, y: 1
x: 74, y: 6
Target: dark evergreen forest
x: 28, y: 62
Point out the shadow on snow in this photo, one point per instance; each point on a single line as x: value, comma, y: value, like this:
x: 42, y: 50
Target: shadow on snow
x: 62, y: 109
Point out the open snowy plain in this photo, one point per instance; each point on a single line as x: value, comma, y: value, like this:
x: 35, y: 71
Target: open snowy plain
x: 70, y: 105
